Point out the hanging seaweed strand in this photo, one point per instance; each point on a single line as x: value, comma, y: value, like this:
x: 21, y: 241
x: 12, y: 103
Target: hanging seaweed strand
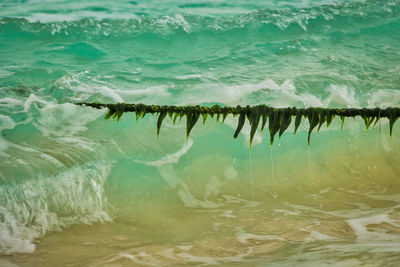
x: 279, y: 119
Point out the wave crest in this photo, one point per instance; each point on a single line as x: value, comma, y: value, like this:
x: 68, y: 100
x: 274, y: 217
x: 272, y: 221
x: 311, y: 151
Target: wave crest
x: 36, y: 207
x: 320, y: 18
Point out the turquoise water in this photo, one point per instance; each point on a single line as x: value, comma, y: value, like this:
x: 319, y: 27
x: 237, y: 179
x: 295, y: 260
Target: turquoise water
x: 81, y: 191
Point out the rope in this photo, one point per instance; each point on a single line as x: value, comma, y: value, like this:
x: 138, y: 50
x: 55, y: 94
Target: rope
x: 279, y: 118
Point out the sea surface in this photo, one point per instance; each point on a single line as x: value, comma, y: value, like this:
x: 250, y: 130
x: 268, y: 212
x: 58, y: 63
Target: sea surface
x: 78, y: 190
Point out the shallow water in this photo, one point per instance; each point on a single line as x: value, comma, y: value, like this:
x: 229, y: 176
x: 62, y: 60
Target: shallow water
x: 77, y: 190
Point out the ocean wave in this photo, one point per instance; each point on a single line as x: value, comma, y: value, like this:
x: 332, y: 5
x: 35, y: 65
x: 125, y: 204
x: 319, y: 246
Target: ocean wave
x: 31, y: 209
x: 326, y: 18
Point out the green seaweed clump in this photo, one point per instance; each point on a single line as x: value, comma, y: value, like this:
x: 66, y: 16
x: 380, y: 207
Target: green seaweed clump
x: 279, y: 118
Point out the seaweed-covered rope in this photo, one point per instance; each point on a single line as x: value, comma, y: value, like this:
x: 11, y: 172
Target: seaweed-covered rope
x: 279, y: 118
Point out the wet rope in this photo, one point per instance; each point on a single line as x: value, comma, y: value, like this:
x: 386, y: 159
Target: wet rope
x: 279, y: 118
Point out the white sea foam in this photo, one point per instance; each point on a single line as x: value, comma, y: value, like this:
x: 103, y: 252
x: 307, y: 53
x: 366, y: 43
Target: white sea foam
x: 65, y: 119
x: 169, y: 158
x: 201, y: 259
x: 51, y: 159
x: 360, y: 227
x: 285, y: 94
x: 189, y: 77
x: 243, y: 237
x: 141, y: 258
x: 342, y: 96
x: 177, y: 20
x: 6, y: 122
x: 85, y: 86
x: 154, y: 91
x: 10, y: 102
x: 77, y: 15
x: 384, y: 98
x: 38, y: 206
x: 272, y: 94
x: 80, y: 142
x: 31, y: 100
x: 315, y: 235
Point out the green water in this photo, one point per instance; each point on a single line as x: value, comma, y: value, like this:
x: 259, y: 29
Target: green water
x: 78, y: 190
